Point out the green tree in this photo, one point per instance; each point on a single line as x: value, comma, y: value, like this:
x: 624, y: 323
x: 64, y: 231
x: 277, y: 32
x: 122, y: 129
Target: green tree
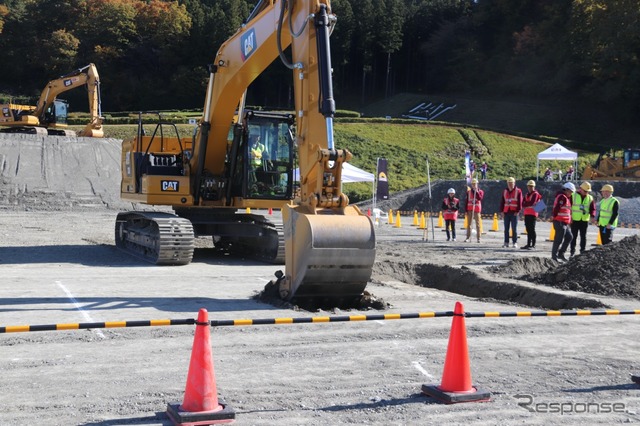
x: 389, y: 36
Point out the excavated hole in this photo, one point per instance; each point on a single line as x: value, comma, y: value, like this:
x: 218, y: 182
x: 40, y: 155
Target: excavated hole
x: 472, y: 284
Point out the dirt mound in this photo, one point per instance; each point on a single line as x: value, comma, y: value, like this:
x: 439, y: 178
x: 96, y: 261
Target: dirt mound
x: 611, y: 270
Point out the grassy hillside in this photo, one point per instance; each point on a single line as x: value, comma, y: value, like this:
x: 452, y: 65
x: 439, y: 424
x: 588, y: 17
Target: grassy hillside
x: 406, y: 145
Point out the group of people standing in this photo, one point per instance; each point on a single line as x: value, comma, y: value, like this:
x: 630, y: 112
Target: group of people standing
x: 573, y: 210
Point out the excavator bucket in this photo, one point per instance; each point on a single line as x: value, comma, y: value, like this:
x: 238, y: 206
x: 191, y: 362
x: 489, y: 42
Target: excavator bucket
x: 329, y: 255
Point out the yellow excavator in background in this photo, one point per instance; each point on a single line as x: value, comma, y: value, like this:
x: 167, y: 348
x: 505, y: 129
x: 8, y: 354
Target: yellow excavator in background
x: 49, y: 116
x: 611, y: 166
x: 240, y: 160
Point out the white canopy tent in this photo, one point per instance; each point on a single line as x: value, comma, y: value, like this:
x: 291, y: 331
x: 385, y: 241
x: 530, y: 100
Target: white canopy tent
x: 560, y: 153
x: 349, y: 174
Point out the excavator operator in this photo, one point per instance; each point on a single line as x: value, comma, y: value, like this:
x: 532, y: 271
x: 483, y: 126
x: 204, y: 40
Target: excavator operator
x: 258, y: 151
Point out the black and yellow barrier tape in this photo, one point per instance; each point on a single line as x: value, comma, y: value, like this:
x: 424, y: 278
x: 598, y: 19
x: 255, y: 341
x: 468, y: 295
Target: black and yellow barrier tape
x: 307, y: 320
x: 94, y: 325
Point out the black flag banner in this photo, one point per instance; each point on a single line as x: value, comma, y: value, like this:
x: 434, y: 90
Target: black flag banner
x: 382, y: 189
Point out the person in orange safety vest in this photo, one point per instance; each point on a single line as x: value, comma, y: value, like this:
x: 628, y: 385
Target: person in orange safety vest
x: 561, y: 220
x: 474, y: 208
x: 531, y: 199
x: 510, y: 206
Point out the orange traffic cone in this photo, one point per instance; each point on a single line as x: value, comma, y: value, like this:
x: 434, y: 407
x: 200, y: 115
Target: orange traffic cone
x: 456, y: 378
x: 200, y: 405
x: 270, y: 211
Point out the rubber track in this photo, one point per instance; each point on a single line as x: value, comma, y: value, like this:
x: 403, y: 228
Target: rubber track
x: 159, y: 238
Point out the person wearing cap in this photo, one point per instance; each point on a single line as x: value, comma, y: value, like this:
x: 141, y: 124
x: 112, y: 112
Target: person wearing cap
x: 561, y: 220
x: 531, y: 199
x: 608, y: 214
x: 450, y: 207
x: 510, y: 206
x: 583, y: 210
x: 474, y: 208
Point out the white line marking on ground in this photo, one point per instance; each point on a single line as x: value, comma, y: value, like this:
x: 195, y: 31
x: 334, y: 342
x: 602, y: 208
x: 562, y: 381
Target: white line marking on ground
x: 84, y: 313
x: 421, y: 369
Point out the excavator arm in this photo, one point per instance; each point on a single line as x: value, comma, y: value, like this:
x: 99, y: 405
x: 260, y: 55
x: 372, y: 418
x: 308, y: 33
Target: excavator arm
x: 329, y: 245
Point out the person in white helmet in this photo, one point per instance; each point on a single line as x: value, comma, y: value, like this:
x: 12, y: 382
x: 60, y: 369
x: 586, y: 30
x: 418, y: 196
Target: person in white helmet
x: 583, y: 210
x: 561, y: 220
x: 450, y: 208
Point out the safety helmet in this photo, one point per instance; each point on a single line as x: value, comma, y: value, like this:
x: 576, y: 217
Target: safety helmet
x: 607, y: 187
x: 585, y: 186
x: 531, y: 183
x: 451, y: 191
x: 570, y: 186
x: 511, y: 180
x: 474, y: 181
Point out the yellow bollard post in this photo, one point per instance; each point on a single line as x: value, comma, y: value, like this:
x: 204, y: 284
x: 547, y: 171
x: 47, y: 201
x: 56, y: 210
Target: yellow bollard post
x: 481, y: 230
x: 467, y: 217
x: 248, y: 210
x: 390, y: 217
x: 415, y: 218
x: 495, y: 227
x: 440, y: 221
x: 398, y: 223
x: 423, y: 222
x: 552, y: 234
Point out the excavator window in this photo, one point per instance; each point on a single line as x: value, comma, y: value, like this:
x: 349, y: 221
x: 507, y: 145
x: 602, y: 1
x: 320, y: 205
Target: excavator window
x: 269, y: 160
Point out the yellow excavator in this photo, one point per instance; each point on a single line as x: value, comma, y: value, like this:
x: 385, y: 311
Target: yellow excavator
x: 240, y: 160
x: 615, y: 165
x: 49, y: 116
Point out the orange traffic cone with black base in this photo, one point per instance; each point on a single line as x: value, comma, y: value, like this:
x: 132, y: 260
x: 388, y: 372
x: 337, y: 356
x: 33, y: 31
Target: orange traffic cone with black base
x: 456, y: 378
x: 201, y: 405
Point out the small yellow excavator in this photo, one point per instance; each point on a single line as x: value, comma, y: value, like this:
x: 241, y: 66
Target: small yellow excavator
x: 240, y: 160
x: 49, y: 116
x: 615, y: 165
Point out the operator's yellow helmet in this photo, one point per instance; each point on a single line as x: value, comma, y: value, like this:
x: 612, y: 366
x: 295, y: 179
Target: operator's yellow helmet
x: 531, y: 183
x: 511, y: 180
x: 585, y: 186
x: 607, y: 187
x: 474, y: 181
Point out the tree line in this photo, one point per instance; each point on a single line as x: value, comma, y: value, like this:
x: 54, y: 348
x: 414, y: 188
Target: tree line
x: 153, y: 54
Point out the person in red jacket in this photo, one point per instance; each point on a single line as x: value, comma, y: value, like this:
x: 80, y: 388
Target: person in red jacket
x: 474, y: 208
x: 561, y: 220
x: 450, y: 207
x: 531, y: 199
x: 510, y: 206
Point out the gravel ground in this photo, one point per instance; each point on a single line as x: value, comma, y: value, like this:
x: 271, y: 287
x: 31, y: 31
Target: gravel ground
x: 58, y: 265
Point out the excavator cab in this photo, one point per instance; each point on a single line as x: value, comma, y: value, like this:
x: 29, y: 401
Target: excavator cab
x: 267, y: 156
x: 57, y: 113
